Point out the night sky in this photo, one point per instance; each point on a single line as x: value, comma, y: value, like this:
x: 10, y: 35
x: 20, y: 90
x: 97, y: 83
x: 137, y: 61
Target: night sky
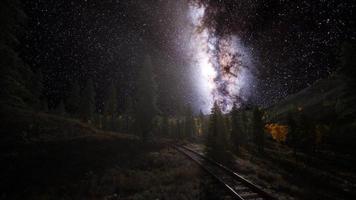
x: 256, y: 51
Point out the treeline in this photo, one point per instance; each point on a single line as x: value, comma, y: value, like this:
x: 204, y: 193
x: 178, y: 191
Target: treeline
x: 138, y: 116
x: 19, y: 84
x: 221, y: 132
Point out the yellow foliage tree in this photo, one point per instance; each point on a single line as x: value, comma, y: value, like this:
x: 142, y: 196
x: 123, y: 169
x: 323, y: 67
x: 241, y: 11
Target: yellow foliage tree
x: 278, y: 132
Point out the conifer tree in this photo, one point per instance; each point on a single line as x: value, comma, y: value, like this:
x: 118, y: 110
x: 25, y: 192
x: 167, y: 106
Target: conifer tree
x: 44, y: 105
x: 188, y: 122
x: 305, y: 132
x: 128, y: 114
x: 258, y: 129
x: 87, y: 102
x: 165, y: 126
x: 37, y: 88
x: 174, y: 128
x: 217, y: 134
x: 180, y: 129
x: 60, y: 110
x: 111, y: 105
x: 73, y: 101
x: 15, y: 75
x: 203, y: 127
x: 292, y: 136
x: 236, y: 129
x: 146, y: 108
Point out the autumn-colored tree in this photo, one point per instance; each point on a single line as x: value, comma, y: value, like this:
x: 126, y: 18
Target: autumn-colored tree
x: 278, y: 132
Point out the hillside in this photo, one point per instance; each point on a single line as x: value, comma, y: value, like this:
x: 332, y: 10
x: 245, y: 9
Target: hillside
x: 328, y: 103
x: 326, y: 98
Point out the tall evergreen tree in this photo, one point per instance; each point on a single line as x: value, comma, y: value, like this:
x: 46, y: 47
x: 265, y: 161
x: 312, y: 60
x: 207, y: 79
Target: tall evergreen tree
x: 258, y: 129
x: 236, y: 129
x: 111, y: 105
x: 44, y: 105
x: 60, y: 109
x: 128, y: 114
x: 217, y: 135
x: 292, y: 136
x: 165, y: 125
x: 15, y: 76
x: 87, y: 102
x: 347, y: 62
x: 188, y: 122
x: 73, y: 101
x: 305, y: 133
x: 146, y: 108
x: 37, y: 89
x: 202, y: 123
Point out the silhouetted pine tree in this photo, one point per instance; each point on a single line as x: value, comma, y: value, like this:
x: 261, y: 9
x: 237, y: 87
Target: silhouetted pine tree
x: 236, y: 130
x: 60, y: 109
x: 73, y: 101
x: 180, y: 129
x: 292, y: 136
x: 165, y: 126
x: 217, y: 135
x: 111, y: 106
x: 258, y: 129
x: 305, y: 131
x: 188, y: 122
x: 37, y: 89
x: 146, y: 106
x: 202, y: 122
x: 44, y: 105
x: 347, y: 60
x: 87, y: 102
x: 174, y: 128
x: 15, y: 76
x: 128, y: 115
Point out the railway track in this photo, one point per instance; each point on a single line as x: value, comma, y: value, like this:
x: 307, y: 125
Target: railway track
x: 237, y: 186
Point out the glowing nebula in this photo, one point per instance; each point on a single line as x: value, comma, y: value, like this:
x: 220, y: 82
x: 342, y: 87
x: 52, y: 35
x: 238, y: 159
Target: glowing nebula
x: 222, y: 63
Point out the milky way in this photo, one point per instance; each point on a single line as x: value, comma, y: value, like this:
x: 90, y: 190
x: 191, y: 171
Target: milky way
x: 223, y: 65
x: 252, y: 51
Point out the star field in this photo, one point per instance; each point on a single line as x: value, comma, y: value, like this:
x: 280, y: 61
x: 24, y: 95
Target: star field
x: 290, y: 43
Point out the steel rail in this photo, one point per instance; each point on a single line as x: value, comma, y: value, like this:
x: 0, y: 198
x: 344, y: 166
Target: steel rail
x: 240, y: 188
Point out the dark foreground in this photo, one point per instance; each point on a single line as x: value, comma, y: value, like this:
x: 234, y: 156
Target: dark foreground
x: 84, y: 163
x: 47, y: 157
